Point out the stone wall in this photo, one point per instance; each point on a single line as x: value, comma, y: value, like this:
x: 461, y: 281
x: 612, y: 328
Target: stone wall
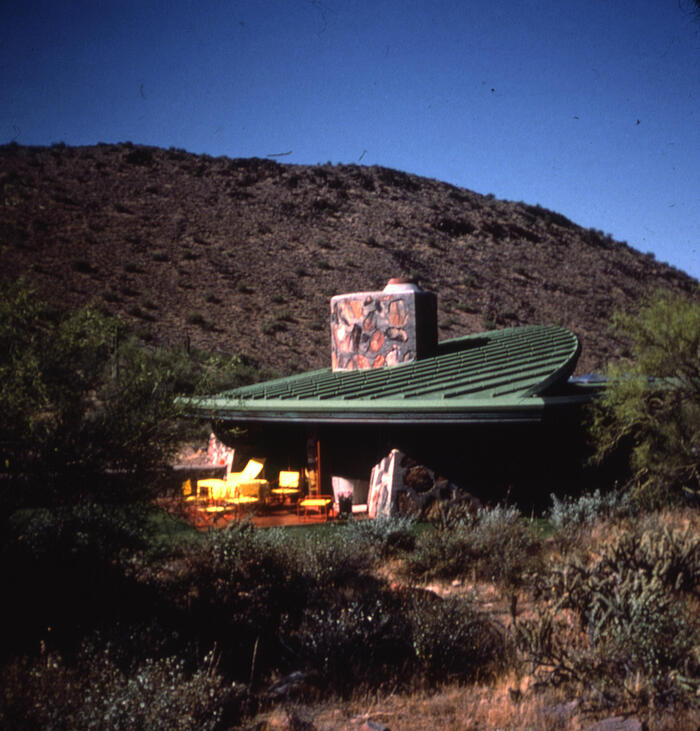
x: 399, y: 485
x: 386, y: 328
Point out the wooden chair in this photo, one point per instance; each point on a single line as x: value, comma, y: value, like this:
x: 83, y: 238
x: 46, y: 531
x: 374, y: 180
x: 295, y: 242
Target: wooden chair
x: 311, y: 482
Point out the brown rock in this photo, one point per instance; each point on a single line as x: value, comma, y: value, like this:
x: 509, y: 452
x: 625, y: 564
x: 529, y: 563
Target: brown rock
x: 374, y: 726
x: 350, y: 310
x: 616, y: 723
x: 397, y: 313
x: 376, y: 341
x: 396, y: 333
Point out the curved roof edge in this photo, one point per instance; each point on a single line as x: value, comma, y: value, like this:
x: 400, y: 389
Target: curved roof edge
x: 507, y: 375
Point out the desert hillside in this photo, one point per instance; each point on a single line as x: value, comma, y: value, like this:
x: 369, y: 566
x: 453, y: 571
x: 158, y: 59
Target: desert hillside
x: 243, y: 255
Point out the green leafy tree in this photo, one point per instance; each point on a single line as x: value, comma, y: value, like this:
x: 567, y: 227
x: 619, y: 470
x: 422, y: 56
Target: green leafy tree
x: 651, y: 405
x: 83, y: 403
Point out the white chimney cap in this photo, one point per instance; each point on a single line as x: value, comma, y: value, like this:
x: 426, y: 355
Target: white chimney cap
x: 401, y: 284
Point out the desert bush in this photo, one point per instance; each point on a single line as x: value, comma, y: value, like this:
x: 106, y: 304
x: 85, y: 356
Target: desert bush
x: 338, y: 558
x: 82, y: 401
x: 66, y: 567
x: 452, y: 640
x: 93, y: 693
x: 621, y: 624
x: 196, y: 371
x: 568, y: 512
x: 378, y: 638
x: 272, y: 326
x: 276, y: 602
x: 492, y: 545
x: 352, y: 644
x: 386, y: 536
x: 246, y: 585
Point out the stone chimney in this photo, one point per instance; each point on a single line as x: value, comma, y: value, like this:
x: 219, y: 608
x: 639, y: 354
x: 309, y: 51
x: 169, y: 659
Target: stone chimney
x: 387, y: 328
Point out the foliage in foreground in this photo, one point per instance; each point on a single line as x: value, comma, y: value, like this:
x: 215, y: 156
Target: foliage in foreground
x: 85, y: 405
x: 94, y: 693
x: 318, y: 608
x: 622, y: 623
x: 490, y: 545
x: 79, y: 398
x: 272, y: 605
x: 651, y: 405
x: 309, y: 611
x: 569, y: 513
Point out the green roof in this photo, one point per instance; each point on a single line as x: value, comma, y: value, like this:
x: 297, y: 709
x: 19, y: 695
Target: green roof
x: 502, y: 375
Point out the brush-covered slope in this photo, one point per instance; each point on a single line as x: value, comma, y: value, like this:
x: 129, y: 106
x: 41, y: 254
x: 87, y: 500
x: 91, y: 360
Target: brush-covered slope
x: 243, y: 255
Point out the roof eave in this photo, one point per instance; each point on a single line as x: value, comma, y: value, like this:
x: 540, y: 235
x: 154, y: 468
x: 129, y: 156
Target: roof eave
x: 479, y: 412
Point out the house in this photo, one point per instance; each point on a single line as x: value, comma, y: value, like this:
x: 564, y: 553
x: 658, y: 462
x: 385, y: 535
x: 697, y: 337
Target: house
x: 491, y: 413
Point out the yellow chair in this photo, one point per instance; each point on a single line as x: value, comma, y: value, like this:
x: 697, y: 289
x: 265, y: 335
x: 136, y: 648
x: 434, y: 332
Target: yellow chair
x: 187, y: 491
x: 287, y: 485
x: 218, y: 489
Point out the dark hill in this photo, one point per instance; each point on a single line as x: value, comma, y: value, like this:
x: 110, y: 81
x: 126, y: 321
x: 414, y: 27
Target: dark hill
x: 243, y: 255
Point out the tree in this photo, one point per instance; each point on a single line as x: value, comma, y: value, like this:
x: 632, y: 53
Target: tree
x: 651, y: 405
x: 82, y: 402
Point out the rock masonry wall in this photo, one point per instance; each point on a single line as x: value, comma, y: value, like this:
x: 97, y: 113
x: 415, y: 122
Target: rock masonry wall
x: 375, y: 329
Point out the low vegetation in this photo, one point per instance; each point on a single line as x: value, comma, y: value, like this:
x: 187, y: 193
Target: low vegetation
x: 212, y: 629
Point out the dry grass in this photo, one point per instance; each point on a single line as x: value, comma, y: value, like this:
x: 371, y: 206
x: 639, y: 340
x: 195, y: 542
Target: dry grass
x: 508, y: 704
x: 513, y: 701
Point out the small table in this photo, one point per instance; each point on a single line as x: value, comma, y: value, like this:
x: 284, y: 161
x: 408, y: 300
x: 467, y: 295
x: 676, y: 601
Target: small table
x: 314, y: 503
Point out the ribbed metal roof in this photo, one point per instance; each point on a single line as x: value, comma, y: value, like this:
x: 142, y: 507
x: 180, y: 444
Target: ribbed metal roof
x: 499, y: 375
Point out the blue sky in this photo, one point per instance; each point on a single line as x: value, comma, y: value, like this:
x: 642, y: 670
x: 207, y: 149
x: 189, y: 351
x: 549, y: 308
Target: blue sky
x: 590, y: 109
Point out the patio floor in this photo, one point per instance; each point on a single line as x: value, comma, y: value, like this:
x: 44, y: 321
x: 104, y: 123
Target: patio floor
x: 268, y: 517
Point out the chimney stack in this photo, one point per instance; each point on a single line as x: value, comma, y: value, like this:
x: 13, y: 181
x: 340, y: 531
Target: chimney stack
x: 375, y: 329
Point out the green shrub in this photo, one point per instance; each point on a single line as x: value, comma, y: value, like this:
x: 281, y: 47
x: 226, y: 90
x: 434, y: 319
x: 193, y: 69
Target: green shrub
x: 95, y: 693
x: 452, y: 640
x: 569, y: 512
x: 492, y: 545
x: 386, y: 536
x: 198, y: 319
x: 67, y: 567
x: 274, y: 326
x: 352, y: 644
x: 649, y: 412
x: 82, y: 401
x: 632, y: 635
x: 276, y: 601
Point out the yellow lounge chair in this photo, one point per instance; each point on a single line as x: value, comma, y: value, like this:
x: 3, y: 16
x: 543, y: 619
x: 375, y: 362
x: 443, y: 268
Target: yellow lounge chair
x: 218, y: 489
